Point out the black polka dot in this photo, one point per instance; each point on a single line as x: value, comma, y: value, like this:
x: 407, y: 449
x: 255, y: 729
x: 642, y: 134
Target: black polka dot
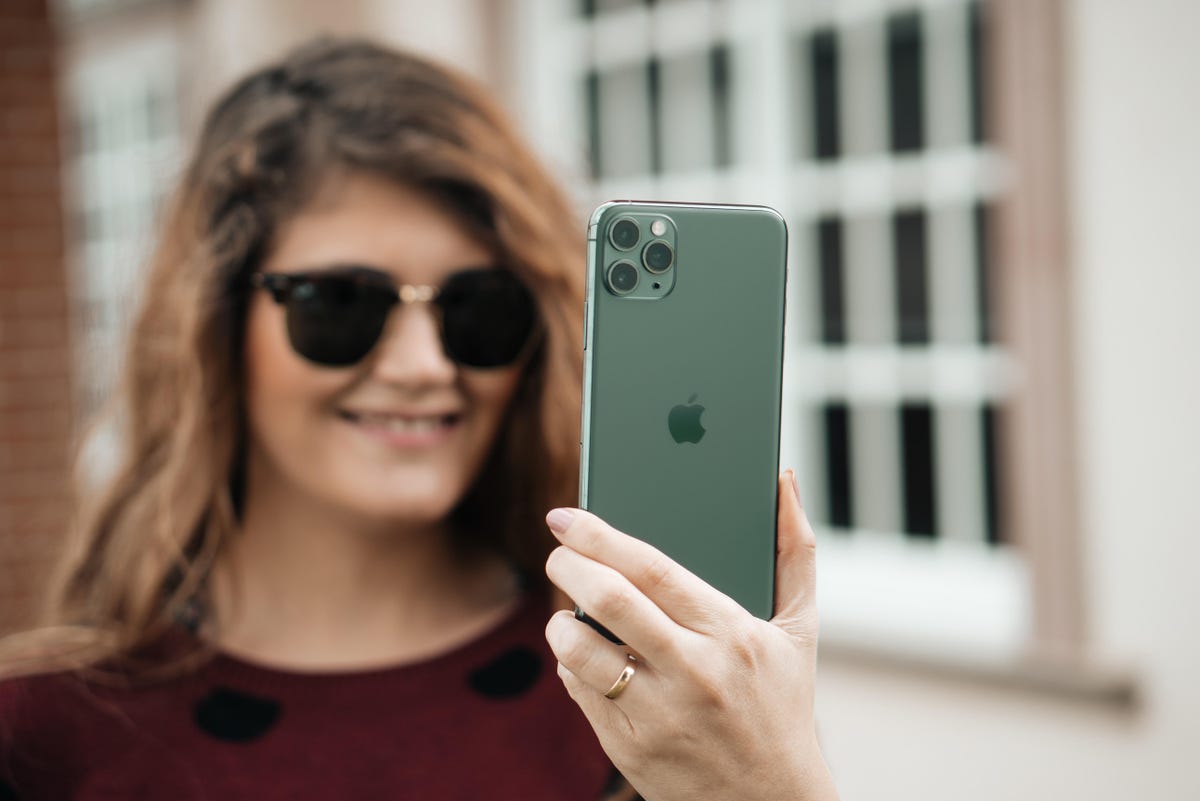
x: 7, y: 793
x: 616, y: 783
x: 235, y: 716
x: 513, y: 673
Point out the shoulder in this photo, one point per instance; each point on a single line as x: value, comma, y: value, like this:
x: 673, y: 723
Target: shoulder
x: 26, y: 700
x: 35, y: 712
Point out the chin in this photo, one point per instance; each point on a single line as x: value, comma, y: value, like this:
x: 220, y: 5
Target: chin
x: 406, y: 507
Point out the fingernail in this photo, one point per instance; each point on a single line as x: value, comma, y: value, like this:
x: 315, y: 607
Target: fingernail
x: 559, y: 519
x: 795, y: 486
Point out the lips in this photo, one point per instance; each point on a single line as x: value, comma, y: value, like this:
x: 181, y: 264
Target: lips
x: 408, y: 429
x: 401, y: 421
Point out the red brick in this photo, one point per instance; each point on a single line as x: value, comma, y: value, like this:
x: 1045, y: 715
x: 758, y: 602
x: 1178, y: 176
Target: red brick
x: 28, y: 537
x: 42, y: 513
x: 32, y: 60
x: 33, y: 362
x: 34, y: 425
x: 21, y: 183
x: 30, y: 274
x: 33, y: 151
x: 36, y: 396
x: 28, y: 242
x: 30, y: 485
x: 23, y: 9
x: 31, y: 121
x: 38, y: 302
x: 36, y: 332
x: 34, y: 211
x: 42, y: 393
x: 28, y: 32
x: 40, y: 546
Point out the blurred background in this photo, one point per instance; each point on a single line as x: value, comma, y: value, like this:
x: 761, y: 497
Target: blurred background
x: 991, y: 374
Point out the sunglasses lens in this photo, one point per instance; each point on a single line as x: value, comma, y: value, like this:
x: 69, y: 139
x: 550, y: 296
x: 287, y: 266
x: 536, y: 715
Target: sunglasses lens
x: 336, y: 320
x: 488, y: 316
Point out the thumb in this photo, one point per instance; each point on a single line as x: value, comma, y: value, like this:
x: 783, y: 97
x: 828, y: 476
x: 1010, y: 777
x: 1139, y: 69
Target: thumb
x: 795, y: 563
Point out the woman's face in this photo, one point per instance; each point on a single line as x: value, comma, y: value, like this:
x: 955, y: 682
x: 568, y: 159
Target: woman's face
x: 401, y: 435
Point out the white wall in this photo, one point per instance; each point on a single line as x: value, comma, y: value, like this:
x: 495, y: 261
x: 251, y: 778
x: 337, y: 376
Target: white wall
x: 1134, y: 186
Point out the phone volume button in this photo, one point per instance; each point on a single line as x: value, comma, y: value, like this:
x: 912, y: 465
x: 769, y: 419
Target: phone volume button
x: 585, y: 324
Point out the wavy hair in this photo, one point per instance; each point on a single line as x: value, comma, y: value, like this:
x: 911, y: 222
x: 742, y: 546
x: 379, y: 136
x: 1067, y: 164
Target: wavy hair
x: 142, y: 545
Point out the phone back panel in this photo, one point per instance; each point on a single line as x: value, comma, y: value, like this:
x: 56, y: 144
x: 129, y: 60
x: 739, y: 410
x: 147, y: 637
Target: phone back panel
x: 714, y: 340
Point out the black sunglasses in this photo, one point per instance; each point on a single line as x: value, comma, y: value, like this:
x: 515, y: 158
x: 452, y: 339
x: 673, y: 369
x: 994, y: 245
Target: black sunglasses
x: 335, y: 318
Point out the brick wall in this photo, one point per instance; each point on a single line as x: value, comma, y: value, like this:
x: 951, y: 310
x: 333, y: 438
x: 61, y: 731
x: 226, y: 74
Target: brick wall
x: 35, y: 387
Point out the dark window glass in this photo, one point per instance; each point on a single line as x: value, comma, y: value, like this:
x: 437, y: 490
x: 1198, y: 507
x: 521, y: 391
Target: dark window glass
x: 823, y: 64
x: 916, y: 446
x: 590, y: 8
x: 833, y: 307
x: 983, y: 271
x: 837, y: 464
x: 592, y: 101
x: 991, y: 475
x: 905, y: 66
x: 719, y: 68
x: 976, y: 21
x: 909, y: 254
x: 654, y: 95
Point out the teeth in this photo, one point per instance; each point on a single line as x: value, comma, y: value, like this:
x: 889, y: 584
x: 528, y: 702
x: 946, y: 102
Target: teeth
x: 412, y: 425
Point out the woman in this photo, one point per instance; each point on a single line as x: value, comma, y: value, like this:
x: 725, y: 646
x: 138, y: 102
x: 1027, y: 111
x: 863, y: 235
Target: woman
x: 351, y: 414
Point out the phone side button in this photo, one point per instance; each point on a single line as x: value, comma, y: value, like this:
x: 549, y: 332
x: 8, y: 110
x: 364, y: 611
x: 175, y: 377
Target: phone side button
x: 585, y: 321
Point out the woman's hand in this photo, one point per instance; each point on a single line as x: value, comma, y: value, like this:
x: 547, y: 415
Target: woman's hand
x: 721, y: 704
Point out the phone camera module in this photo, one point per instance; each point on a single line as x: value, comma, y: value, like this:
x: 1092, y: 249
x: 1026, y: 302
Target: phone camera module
x: 658, y: 256
x: 624, y: 234
x: 622, y: 278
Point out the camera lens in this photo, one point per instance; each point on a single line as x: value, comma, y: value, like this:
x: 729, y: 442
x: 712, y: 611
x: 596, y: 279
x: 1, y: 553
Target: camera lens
x: 658, y: 256
x: 624, y: 233
x: 622, y: 278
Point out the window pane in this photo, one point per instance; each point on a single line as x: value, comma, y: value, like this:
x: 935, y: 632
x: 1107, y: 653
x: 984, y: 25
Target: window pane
x: 591, y: 99
x: 654, y: 110
x: 905, y: 66
x: 983, y: 274
x: 719, y: 69
x: 916, y: 446
x: 590, y: 8
x: 837, y: 464
x: 976, y: 36
x: 833, y: 304
x: 688, y: 132
x: 991, y: 474
x: 624, y: 122
x: 823, y: 59
x: 910, y: 253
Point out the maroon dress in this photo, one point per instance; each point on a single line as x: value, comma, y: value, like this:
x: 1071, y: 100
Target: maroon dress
x: 488, y: 720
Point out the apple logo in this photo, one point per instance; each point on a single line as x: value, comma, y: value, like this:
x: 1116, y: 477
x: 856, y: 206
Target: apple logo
x: 684, y: 422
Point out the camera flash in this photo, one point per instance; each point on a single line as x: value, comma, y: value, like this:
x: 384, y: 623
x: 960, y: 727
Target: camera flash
x: 658, y: 227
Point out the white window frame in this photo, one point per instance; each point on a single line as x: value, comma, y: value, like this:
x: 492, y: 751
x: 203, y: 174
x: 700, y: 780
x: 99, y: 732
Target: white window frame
x: 952, y: 595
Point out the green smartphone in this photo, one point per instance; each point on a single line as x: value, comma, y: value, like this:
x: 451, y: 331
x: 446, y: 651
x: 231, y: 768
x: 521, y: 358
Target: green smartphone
x: 683, y: 363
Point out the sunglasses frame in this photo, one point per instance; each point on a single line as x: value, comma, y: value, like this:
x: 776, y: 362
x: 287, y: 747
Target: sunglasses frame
x: 280, y: 285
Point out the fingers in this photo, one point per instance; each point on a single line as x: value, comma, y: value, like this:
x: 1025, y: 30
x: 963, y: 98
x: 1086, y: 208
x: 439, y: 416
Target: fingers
x: 795, y: 564
x: 589, y: 666
x: 686, y: 598
x: 591, y: 658
x: 609, y: 720
x: 611, y: 599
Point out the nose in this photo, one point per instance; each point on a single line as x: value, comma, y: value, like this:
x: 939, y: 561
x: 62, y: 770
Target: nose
x: 410, y: 351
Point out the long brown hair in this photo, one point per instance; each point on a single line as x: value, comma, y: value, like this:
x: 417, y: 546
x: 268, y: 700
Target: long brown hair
x: 143, y: 545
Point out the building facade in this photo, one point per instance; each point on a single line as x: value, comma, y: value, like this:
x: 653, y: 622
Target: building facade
x: 988, y: 285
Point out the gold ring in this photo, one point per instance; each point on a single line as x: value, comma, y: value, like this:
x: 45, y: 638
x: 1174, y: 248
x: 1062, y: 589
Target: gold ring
x: 622, y: 680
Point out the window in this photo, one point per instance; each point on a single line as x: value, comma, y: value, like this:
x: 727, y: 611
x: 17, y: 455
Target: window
x: 123, y: 150
x: 866, y: 128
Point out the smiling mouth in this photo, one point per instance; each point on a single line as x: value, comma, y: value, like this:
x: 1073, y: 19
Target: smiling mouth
x: 402, y: 424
